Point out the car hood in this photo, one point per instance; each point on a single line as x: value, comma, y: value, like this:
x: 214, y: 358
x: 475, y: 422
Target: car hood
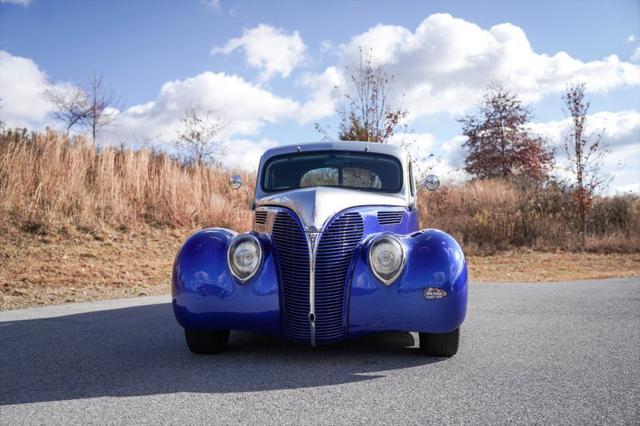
x: 315, y: 206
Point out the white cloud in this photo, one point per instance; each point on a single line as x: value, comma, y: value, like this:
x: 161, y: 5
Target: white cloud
x: 631, y: 38
x: 24, y: 104
x: 326, y: 46
x: 442, y: 158
x: 20, y: 2
x: 446, y: 64
x: 621, y: 137
x: 246, y: 153
x: 620, y: 128
x: 213, y: 3
x: 225, y: 95
x: 322, y: 87
x: 22, y: 90
x: 635, y: 57
x: 269, y: 49
x: 632, y: 187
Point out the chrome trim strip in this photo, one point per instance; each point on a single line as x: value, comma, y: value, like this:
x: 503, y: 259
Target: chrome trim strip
x: 313, y: 236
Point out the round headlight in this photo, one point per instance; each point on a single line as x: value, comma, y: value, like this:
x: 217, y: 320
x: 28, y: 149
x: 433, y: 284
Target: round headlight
x: 386, y: 258
x: 244, y: 256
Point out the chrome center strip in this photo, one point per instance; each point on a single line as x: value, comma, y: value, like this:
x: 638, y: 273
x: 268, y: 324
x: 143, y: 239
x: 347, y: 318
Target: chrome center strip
x: 313, y: 235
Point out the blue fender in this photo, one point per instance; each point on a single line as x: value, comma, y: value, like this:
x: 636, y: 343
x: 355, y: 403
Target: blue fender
x: 206, y: 296
x: 433, y: 260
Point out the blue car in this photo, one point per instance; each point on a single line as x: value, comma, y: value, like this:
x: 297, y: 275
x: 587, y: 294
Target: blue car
x: 335, y: 253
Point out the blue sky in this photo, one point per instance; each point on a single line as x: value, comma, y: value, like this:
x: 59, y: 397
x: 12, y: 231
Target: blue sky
x: 140, y: 46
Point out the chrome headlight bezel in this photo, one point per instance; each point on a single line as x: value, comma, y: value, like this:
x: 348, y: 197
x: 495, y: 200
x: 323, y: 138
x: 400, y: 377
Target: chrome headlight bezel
x: 233, y: 245
x: 387, y: 279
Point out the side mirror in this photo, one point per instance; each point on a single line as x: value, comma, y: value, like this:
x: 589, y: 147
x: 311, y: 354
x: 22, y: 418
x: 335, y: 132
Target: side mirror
x: 235, y: 182
x: 431, y: 182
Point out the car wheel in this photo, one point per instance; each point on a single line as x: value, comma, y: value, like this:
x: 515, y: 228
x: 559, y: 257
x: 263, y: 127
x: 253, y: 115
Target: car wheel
x: 206, y: 341
x: 440, y: 344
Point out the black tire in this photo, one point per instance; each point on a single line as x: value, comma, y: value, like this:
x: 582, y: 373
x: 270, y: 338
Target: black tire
x: 441, y: 345
x: 206, y: 342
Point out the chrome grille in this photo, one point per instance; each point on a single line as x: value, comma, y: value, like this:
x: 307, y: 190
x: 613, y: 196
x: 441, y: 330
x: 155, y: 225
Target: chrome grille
x: 293, y: 256
x: 390, y: 217
x: 333, y: 257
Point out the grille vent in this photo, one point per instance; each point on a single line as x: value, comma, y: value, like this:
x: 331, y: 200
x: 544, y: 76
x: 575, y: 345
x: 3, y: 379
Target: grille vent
x: 261, y: 217
x: 390, y: 217
x: 293, y: 258
x: 335, y: 250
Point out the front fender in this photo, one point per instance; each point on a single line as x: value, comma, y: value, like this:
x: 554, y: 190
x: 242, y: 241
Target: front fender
x: 206, y: 296
x: 433, y: 260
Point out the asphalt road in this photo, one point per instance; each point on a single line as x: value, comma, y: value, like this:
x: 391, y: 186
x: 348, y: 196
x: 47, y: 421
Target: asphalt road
x: 544, y: 353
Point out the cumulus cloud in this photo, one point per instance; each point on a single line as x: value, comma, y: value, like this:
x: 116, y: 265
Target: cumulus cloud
x: 619, y: 128
x: 213, y: 3
x: 635, y: 56
x: 321, y: 102
x: 445, y: 64
x: 621, y: 135
x: 444, y: 158
x: 225, y: 95
x: 20, y: 2
x: 269, y: 49
x: 246, y: 153
x: 23, y: 87
x: 22, y: 91
x: 631, y: 38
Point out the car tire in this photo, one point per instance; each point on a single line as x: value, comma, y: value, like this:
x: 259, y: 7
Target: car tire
x: 206, y: 342
x: 440, y: 344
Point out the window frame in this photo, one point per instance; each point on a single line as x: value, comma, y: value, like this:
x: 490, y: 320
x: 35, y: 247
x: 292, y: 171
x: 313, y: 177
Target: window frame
x: 267, y: 163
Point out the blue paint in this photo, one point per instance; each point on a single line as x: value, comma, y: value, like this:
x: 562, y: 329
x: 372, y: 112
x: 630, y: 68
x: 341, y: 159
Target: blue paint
x: 434, y: 259
x: 206, y: 296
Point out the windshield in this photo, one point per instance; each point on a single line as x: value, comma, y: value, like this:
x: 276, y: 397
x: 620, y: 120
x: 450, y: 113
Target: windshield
x: 371, y: 172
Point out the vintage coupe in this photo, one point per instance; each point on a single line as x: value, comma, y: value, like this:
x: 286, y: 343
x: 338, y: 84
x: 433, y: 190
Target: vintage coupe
x: 335, y: 253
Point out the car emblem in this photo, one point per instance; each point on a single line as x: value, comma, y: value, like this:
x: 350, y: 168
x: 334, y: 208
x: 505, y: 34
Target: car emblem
x: 431, y: 293
x: 313, y: 233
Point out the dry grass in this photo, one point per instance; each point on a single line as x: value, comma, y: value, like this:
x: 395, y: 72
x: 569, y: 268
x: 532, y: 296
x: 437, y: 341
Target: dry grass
x: 49, y: 182
x: 494, y: 215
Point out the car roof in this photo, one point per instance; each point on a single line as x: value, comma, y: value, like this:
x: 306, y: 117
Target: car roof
x: 377, y: 148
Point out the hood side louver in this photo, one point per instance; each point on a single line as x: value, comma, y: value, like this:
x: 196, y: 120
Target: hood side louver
x: 390, y: 217
x: 261, y: 217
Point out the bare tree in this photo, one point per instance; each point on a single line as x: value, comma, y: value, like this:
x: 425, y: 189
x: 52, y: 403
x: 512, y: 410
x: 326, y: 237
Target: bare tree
x: 100, y: 110
x: 92, y: 107
x: 586, y: 154
x: 498, y: 142
x: 70, y: 105
x: 199, y: 138
x: 365, y: 112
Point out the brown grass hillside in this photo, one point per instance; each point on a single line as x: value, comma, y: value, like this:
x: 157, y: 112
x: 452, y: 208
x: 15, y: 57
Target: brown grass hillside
x: 80, y: 224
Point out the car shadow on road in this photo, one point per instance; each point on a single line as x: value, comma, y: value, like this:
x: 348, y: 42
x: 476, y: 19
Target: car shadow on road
x: 141, y: 351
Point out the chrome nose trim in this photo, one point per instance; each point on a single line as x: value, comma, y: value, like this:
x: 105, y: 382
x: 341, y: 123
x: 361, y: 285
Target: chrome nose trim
x: 313, y: 235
